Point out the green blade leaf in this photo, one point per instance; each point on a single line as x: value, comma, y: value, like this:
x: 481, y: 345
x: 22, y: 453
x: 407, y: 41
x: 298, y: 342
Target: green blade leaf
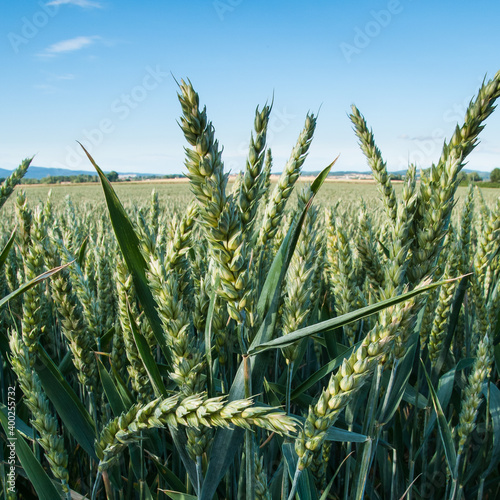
x: 130, y: 247
x: 325, y: 494
x: 345, y: 319
x: 303, y: 400
x: 146, y: 357
x: 4, y: 345
x: 320, y: 179
x: 110, y: 389
x: 403, y: 372
x: 168, y: 475
x: 444, y: 392
x: 180, y: 442
x: 20, y: 425
x: 66, y: 365
x: 122, y: 388
x: 444, y: 428
x: 32, y: 283
x: 208, y: 338
x: 344, y: 436
x: 43, y: 485
x: 410, y: 396
x: 175, y: 495
x: 6, y: 248
x: 306, y: 488
x: 330, y: 339
x: 106, y: 339
x: 496, y: 355
x: 364, y: 468
x: 384, y: 249
x: 67, y: 404
x: 144, y: 490
x: 273, y: 397
x: 494, y: 405
x: 81, y: 253
x: 323, y: 372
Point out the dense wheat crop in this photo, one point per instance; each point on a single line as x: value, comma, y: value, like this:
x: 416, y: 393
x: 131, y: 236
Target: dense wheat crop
x: 257, y: 339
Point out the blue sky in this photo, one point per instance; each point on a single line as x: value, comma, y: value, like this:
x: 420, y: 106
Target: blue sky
x: 100, y: 71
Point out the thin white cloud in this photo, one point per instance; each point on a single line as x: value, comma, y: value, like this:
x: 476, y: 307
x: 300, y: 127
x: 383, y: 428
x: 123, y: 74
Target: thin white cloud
x: 52, y: 77
x: 71, y: 45
x: 85, y: 4
x: 46, y: 89
x: 407, y: 137
x: 64, y: 77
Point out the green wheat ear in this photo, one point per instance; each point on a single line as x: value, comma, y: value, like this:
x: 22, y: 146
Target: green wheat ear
x: 194, y: 411
x: 276, y: 206
x: 10, y: 183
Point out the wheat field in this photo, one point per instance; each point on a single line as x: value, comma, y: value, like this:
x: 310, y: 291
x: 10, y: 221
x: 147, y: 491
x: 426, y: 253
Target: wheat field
x: 254, y: 339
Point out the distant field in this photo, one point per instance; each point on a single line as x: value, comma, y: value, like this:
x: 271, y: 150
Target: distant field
x: 179, y: 192
x: 128, y: 192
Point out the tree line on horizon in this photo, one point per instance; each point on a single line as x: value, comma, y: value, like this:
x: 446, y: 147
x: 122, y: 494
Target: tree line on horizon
x: 83, y: 178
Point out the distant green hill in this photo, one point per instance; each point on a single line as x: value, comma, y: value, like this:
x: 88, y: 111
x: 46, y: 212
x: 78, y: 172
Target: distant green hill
x: 41, y: 172
x: 35, y: 172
